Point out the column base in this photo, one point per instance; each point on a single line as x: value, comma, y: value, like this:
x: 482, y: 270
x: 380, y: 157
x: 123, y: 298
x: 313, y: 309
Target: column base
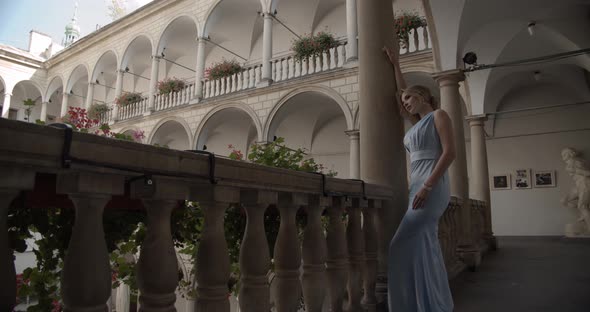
x: 148, y: 112
x: 264, y: 83
x: 351, y: 63
x: 470, y: 255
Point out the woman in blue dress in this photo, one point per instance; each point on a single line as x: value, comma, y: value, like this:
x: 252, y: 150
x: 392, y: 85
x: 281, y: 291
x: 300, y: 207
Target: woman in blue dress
x: 417, y: 278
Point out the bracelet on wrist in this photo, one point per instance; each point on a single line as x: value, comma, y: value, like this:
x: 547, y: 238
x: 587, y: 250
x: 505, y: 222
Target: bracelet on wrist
x: 426, y: 187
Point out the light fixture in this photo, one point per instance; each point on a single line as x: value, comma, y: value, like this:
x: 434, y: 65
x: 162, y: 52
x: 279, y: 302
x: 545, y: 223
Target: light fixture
x: 162, y: 54
x: 204, y: 147
x: 537, y: 75
x: 126, y: 69
x: 97, y: 81
x: 71, y: 91
x: 531, y: 27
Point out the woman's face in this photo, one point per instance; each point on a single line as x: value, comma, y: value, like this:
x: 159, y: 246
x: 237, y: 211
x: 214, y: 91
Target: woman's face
x: 412, y: 102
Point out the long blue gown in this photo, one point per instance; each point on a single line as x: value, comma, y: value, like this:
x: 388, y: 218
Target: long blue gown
x: 417, y: 278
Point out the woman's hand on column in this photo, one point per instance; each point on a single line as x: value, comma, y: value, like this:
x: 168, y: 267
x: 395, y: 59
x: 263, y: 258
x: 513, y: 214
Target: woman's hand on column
x: 392, y: 55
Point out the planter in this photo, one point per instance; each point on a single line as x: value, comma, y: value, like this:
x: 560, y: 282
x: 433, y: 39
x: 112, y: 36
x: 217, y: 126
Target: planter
x: 404, y: 23
x: 222, y: 69
x: 170, y: 85
x: 95, y: 110
x: 128, y: 98
x: 313, y: 45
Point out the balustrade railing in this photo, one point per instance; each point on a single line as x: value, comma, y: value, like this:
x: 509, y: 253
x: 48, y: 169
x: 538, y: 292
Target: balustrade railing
x: 106, y: 117
x: 337, y: 264
x: 418, y: 40
x: 174, y: 99
x: 133, y: 109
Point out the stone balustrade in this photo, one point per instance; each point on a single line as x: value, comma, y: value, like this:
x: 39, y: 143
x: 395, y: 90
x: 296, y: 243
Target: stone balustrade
x: 95, y: 172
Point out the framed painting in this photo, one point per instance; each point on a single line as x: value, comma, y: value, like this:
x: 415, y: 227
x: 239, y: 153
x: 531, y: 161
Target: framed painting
x: 544, y: 178
x: 501, y: 182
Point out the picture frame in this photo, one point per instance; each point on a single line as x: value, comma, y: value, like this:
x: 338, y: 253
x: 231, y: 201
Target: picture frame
x: 522, y: 179
x: 501, y: 182
x: 544, y: 178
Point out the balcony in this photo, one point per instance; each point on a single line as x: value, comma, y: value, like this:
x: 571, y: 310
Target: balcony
x: 96, y: 173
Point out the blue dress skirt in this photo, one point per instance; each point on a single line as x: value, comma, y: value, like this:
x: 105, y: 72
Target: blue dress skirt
x: 417, y: 278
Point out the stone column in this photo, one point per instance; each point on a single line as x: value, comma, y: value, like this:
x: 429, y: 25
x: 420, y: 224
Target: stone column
x: 351, y: 30
x: 90, y: 95
x: 6, y: 105
x: 355, y: 154
x: 118, y: 92
x: 450, y: 100
x: 7, y: 271
x: 356, y: 251
x: 212, y: 265
x: 157, y: 267
x: 287, y: 254
x: 314, y: 255
x: 266, y: 78
x: 383, y: 158
x: 480, y: 179
x: 254, y: 254
x: 370, y: 264
x: 64, y: 104
x: 12, y: 181
x: 43, y: 116
x: 337, y: 255
x: 153, y: 83
x: 200, y: 69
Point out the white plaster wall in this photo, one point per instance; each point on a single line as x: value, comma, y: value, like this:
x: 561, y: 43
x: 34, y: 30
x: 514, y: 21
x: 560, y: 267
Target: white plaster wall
x: 331, y: 147
x: 534, y: 140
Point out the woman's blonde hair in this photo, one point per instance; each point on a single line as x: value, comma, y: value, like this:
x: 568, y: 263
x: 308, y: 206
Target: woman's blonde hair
x: 423, y: 93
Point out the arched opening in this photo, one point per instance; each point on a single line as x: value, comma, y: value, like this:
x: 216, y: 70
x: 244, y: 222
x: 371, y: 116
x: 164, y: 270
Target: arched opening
x: 23, y: 92
x: 229, y: 126
x: 104, y: 78
x: 171, y: 134
x: 315, y: 122
x: 136, y: 66
x: 77, y: 87
x: 177, y: 49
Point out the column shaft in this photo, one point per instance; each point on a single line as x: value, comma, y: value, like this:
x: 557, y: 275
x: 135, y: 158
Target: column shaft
x: 43, y: 116
x: 480, y: 179
x: 153, y: 82
x: 351, y: 30
x: 355, y: 154
x: 200, y: 69
x: 64, y: 104
x: 6, y: 105
x: 267, y: 49
x: 90, y: 95
x: 118, y: 92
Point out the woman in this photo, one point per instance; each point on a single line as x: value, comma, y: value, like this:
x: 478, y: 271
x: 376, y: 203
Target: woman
x: 417, y: 277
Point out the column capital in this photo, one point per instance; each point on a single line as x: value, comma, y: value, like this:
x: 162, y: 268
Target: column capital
x: 156, y: 57
x: 201, y: 39
x: 92, y: 83
x: 353, y: 134
x: 448, y: 77
x: 7, y: 94
x: 476, y: 120
x: 120, y: 71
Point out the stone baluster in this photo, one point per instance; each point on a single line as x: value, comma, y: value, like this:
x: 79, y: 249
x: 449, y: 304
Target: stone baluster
x: 287, y: 254
x: 416, y: 42
x: 157, y: 267
x: 337, y: 256
x: 356, y: 242
x: 254, y: 254
x: 371, y: 262
x: 426, y: 37
x: 12, y: 181
x: 314, y: 255
x: 84, y: 289
x: 212, y: 265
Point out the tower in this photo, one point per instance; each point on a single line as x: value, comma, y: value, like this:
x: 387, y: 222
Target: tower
x: 72, y: 29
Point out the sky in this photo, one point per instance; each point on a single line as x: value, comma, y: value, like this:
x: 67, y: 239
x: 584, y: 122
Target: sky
x: 19, y: 17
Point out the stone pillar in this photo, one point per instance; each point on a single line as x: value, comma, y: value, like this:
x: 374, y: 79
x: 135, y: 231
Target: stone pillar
x: 90, y: 95
x: 355, y: 154
x: 380, y: 122
x: 450, y: 100
x: 356, y: 248
x: 12, y: 181
x: 314, y: 255
x: 153, y: 83
x: 287, y: 254
x: 351, y: 30
x: 157, y: 267
x: 212, y: 265
x: 7, y: 271
x: 370, y: 264
x: 480, y: 179
x: 200, y: 69
x: 254, y: 254
x: 6, y: 105
x: 64, y: 104
x: 118, y: 92
x: 337, y: 255
x: 266, y: 78
x: 43, y: 116
x: 84, y: 289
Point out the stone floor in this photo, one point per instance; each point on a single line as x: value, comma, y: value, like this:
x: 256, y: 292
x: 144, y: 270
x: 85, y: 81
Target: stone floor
x: 528, y: 274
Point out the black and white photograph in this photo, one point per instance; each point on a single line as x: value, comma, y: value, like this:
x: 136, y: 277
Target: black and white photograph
x: 544, y: 178
x: 522, y: 179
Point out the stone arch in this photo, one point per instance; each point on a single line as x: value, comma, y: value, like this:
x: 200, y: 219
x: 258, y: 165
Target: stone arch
x: 182, y: 125
x: 124, y: 59
x: 232, y: 119
x: 75, y: 75
x: 331, y: 93
x: 169, y: 23
x: 52, y: 87
x: 94, y: 68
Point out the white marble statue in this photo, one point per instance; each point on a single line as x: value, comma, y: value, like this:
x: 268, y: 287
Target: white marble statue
x: 578, y: 197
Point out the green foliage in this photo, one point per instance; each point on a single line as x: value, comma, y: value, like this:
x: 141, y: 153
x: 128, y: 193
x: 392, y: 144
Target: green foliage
x: 404, y: 22
x: 97, y: 109
x: 313, y: 45
x: 29, y: 104
x: 128, y: 98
